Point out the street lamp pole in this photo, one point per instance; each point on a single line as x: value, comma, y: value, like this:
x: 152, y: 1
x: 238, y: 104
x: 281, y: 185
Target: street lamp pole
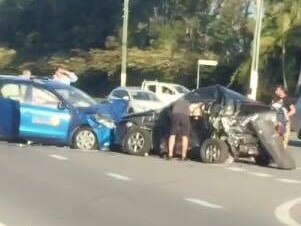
x: 206, y: 63
x: 256, y: 50
x: 124, y: 54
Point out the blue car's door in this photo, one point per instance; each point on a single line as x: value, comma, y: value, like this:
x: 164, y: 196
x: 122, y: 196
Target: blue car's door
x: 41, y: 119
x: 10, y: 118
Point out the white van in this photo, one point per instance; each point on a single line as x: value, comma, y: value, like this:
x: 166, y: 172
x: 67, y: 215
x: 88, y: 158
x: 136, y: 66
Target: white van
x: 166, y: 92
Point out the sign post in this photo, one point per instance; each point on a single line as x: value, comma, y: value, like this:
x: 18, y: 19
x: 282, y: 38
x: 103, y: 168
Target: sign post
x: 206, y: 63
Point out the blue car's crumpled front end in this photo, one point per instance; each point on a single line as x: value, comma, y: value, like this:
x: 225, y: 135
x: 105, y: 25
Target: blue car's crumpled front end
x: 102, y: 118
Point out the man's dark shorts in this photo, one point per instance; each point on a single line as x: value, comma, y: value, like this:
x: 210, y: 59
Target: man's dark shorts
x: 180, y: 125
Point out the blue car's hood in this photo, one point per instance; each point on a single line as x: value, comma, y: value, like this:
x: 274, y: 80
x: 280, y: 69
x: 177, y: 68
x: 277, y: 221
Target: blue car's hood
x: 114, y: 109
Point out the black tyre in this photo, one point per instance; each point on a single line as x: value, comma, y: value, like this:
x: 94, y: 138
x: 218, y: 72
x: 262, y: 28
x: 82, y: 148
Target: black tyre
x: 263, y: 159
x: 137, y: 142
x: 214, y: 151
x: 273, y: 144
x: 85, y: 139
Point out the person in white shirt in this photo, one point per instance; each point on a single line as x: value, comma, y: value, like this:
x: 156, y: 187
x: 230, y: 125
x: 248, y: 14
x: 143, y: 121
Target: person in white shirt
x: 26, y: 74
x: 64, y: 76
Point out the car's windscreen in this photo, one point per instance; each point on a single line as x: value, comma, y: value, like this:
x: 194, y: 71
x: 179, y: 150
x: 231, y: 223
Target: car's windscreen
x: 182, y: 89
x: 138, y: 95
x: 76, y: 97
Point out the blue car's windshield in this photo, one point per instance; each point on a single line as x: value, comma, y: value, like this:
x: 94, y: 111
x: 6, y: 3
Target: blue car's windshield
x: 76, y: 97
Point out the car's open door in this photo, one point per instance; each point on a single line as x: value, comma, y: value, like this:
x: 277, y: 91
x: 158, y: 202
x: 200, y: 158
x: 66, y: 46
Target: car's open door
x: 43, y: 118
x: 10, y: 119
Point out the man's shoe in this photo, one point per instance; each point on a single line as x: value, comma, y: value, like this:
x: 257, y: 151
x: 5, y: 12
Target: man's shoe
x: 169, y: 158
x: 183, y: 159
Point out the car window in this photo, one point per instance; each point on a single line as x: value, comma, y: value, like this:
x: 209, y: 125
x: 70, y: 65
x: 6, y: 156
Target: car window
x: 181, y: 89
x: 151, y: 88
x: 115, y: 93
x: 138, y: 95
x: 229, y: 94
x: 43, y: 98
x: 202, y: 94
x: 14, y: 91
x: 76, y: 97
x: 120, y: 93
x: 167, y: 90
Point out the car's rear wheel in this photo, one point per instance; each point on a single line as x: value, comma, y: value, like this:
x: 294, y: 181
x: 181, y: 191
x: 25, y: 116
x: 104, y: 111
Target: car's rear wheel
x: 214, y: 151
x: 137, y: 142
x: 85, y: 139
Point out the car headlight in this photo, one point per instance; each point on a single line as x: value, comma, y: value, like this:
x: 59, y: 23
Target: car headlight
x: 105, y: 121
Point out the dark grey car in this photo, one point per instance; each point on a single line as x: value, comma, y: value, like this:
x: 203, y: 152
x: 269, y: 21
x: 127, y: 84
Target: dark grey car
x: 230, y: 124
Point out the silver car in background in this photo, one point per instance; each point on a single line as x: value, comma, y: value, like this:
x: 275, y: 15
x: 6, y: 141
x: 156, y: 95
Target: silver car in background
x: 139, y: 100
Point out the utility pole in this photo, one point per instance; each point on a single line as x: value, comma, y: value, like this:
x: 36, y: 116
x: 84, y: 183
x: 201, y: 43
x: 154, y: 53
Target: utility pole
x: 256, y: 50
x: 124, y: 54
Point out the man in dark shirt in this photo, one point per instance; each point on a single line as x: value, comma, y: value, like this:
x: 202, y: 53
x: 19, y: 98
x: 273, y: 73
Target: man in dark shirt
x: 289, y: 110
x: 180, y: 125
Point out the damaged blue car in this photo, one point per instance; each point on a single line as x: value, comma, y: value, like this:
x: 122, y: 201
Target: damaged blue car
x: 52, y: 113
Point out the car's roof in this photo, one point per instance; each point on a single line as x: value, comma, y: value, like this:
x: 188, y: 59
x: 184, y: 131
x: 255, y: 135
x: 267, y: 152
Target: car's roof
x: 132, y: 88
x: 163, y: 83
x: 40, y: 80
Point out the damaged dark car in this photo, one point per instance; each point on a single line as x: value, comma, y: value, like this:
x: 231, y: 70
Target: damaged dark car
x: 227, y: 124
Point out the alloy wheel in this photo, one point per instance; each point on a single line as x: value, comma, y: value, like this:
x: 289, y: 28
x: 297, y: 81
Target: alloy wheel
x: 213, y: 153
x: 85, y: 140
x: 136, y: 142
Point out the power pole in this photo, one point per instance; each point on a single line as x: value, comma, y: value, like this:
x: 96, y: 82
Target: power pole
x: 124, y: 54
x: 256, y: 50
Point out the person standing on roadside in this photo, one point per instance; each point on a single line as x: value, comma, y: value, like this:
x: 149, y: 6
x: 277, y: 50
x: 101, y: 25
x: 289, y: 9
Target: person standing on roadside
x: 64, y: 76
x: 180, y: 125
x: 286, y: 104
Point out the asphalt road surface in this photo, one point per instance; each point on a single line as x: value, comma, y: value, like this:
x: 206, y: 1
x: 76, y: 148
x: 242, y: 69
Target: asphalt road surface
x: 49, y: 186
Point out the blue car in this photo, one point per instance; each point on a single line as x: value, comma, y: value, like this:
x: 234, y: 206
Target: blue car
x: 49, y: 112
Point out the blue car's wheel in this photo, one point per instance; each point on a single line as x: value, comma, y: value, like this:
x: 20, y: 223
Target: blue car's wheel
x: 85, y: 139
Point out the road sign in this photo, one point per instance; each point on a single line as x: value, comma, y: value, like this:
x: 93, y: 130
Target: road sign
x: 207, y: 62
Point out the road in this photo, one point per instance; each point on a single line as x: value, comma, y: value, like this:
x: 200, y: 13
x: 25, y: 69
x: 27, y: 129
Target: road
x: 49, y: 186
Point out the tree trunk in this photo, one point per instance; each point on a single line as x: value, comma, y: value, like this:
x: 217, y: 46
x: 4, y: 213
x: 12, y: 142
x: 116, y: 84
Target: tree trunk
x: 298, y: 87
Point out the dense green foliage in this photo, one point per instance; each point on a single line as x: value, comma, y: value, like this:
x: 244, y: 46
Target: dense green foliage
x: 166, y: 37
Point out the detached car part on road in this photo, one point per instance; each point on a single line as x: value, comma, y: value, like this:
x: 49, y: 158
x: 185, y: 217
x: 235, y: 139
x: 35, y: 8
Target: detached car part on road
x: 49, y: 112
x: 228, y: 124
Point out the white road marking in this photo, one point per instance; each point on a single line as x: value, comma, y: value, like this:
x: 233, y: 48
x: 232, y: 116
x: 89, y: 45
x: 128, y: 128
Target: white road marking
x: 288, y: 181
x: 118, y: 176
x: 59, y: 157
x: 282, y: 212
x: 1, y: 224
x: 236, y: 169
x: 203, y: 203
x: 260, y: 174
x: 298, y: 168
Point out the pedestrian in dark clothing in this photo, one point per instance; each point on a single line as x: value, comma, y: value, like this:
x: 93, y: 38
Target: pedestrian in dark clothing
x: 180, y: 125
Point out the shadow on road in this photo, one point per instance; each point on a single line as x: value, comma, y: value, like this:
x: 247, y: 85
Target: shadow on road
x: 295, y: 143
